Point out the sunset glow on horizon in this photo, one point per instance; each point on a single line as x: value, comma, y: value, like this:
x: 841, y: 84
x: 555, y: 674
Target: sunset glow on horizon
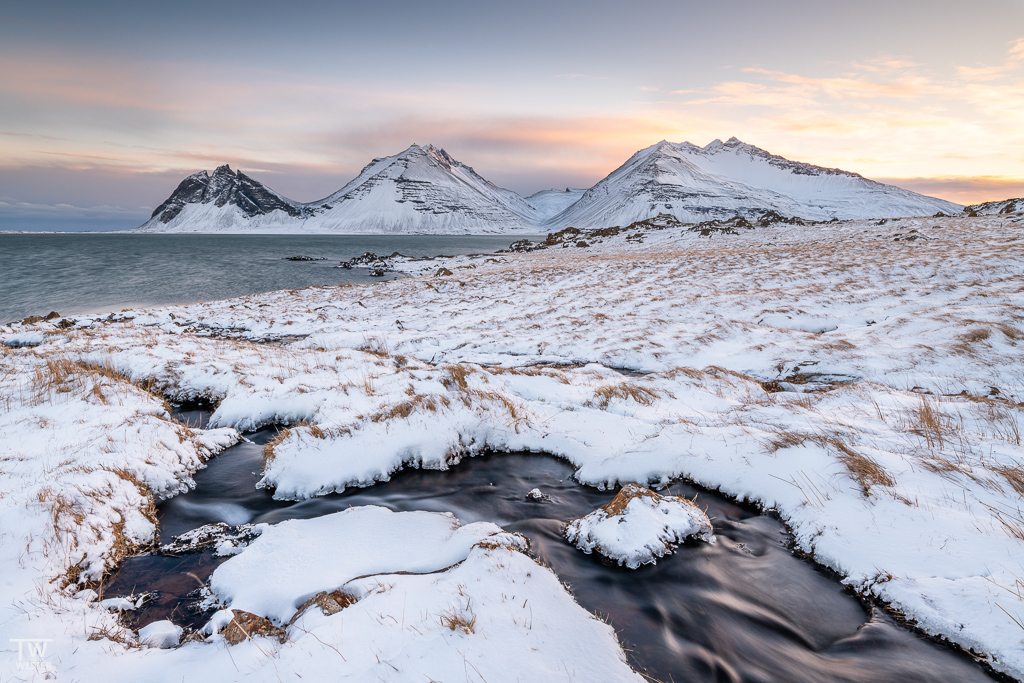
x: 100, y: 117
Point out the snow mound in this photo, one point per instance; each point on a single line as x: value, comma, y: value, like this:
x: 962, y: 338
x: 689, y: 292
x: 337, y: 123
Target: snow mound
x: 162, y: 634
x: 23, y: 339
x: 418, y: 589
x: 639, y: 526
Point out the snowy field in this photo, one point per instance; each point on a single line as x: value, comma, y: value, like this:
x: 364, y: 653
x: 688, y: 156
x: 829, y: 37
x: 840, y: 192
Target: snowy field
x: 864, y: 380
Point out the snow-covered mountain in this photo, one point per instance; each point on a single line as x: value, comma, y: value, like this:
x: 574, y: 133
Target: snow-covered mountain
x: 1008, y: 207
x: 725, y: 179
x: 209, y: 203
x: 551, y: 202
x: 423, y: 190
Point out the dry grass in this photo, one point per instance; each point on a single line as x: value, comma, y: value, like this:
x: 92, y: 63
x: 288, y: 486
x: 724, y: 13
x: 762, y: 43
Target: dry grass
x: 68, y: 518
x: 314, y: 430
x: 376, y: 345
x: 1014, y: 475
x: 530, y: 371
x: 268, y: 448
x: 625, y: 391
x: 861, y: 468
x: 784, y: 438
x: 978, y: 334
x: 864, y: 470
x: 62, y: 375
x: 926, y: 420
x: 419, y: 403
x: 458, y: 621
x: 456, y: 376
x: 516, y: 413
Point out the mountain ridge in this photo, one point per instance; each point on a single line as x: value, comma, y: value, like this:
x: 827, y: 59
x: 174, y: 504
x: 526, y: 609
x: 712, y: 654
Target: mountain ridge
x: 424, y: 190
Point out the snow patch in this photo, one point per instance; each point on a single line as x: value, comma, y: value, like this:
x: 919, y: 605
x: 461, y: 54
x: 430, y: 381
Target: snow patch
x: 639, y: 526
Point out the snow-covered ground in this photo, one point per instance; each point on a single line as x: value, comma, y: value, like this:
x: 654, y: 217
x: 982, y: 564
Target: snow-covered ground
x: 862, y: 378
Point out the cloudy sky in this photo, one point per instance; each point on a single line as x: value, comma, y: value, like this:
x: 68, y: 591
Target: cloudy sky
x: 105, y: 106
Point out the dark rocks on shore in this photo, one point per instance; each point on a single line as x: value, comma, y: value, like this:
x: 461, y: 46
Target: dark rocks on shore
x: 40, y: 318
x: 376, y: 265
x: 299, y: 257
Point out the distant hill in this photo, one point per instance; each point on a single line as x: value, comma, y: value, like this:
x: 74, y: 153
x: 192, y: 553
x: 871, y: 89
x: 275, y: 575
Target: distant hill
x: 1011, y: 207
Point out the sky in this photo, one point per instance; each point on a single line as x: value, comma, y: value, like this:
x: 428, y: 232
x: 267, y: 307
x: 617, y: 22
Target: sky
x: 106, y: 106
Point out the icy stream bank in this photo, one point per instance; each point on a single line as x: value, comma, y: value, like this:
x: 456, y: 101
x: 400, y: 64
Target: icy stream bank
x: 742, y: 609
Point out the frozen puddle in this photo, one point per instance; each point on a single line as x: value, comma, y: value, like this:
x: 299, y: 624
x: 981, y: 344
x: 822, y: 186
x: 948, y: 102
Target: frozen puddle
x: 743, y: 609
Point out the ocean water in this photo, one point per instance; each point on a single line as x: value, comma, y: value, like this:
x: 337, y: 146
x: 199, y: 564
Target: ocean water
x: 78, y: 273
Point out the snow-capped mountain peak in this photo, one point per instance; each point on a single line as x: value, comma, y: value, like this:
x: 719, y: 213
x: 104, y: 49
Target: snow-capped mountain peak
x: 423, y: 189
x: 725, y: 179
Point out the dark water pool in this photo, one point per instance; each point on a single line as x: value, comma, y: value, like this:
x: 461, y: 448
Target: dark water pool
x: 745, y: 609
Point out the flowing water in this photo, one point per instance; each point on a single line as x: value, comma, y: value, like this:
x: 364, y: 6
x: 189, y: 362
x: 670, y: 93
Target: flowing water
x: 97, y: 273
x: 744, y: 609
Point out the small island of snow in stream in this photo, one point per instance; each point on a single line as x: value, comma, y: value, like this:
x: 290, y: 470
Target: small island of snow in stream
x: 639, y: 526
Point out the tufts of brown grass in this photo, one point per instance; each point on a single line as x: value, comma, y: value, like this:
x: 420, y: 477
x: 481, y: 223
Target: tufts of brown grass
x: 63, y: 375
x: 783, y: 438
x: 692, y: 373
x: 516, y: 413
x: 625, y: 391
x: 420, y: 403
x: 314, y: 430
x: 456, y: 376
x: 927, y: 421
x: 378, y: 346
x: 862, y: 468
x: 268, y: 449
x: 978, y: 334
x: 458, y: 621
x: 1014, y: 475
x: 118, y: 634
x: 529, y: 371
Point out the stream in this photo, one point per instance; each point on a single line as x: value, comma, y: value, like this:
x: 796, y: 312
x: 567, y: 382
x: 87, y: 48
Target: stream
x: 744, y: 609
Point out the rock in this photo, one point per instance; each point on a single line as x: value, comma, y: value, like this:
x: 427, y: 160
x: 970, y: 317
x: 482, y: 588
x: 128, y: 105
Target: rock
x: 442, y: 272
x: 522, y: 246
x: 162, y: 634
x: 535, y: 494
x: 32, y: 319
x: 223, y: 538
x: 329, y: 603
x: 639, y: 526
x: 246, y: 625
x: 376, y: 264
x: 304, y: 258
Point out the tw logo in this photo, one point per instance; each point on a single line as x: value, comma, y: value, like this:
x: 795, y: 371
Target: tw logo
x: 32, y: 654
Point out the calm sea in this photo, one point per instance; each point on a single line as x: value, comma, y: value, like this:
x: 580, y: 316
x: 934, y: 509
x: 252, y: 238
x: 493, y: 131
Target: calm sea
x: 97, y: 273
